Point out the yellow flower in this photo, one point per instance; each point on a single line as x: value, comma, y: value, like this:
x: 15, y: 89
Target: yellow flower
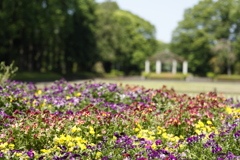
x: 150, y: 132
x: 154, y: 146
x: 3, y: 145
x: 209, y: 122
x: 98, y: 155
x: 67, y: 97
x: 91, y: 130
x: 201, y: 124
x: 177, y: 138
x: 67, y: 138
x: 18, y: 154
x: 82, y: 146
x: 11, y: 146
x: 181, y: 146
x: 228, y: 110
x: 74, y: 129
x: 151, y: 138
x: 164, y: 135
x: 70, y: 144
x: 159, y: 128
x: 208, y: 129
x: 45, y: 151
x: 71, y: 149
x: 77, y: 94
x: 139, y: 126
x: 204, y: 129
x: 198, y: 131
x: 136, y: 129
x: 39, y: 92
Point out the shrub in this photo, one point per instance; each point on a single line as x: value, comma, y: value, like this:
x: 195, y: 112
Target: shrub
x: 7, y: 72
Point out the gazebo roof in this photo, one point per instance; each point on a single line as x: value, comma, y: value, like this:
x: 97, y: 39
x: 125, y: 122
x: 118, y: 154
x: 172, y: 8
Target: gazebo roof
x: 166, y: 57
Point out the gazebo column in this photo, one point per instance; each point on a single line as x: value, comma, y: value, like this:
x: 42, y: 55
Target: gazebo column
x: 185, y: 67
x: 158, y: 67
x: 147, y: 66
x: 174, y: 67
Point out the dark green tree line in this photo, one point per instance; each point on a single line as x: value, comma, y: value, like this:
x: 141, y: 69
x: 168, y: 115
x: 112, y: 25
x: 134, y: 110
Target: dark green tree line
x: 48, y: 35
x: 71, y: 36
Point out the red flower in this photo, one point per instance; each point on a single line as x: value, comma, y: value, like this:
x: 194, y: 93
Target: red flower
x: 126, y: 155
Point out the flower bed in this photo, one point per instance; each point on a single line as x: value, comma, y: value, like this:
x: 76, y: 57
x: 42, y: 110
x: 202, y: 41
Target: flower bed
x: 105, y: 121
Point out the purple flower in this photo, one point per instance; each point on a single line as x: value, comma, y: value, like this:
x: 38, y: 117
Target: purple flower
x: 1, y: 154
x: 30, y: 154
x: 212, y: 135
x: 158, y: 142
x: 216, y: 150
x: 69, y: 112
x: 237, y: 134
x: 192, y: 139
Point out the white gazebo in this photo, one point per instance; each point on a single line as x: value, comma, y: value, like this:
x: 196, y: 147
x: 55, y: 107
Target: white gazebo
x: 166, y: 57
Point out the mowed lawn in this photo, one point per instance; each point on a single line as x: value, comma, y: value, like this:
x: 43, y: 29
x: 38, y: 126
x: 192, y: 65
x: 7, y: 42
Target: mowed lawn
x: 227, y: 89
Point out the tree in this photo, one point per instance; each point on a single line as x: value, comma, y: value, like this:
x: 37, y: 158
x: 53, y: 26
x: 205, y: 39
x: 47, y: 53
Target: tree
x: 223, y: 56
x: 106, y: 33
x: 202, y: 26
x: 161, y: 47
x: 124, y: 39
x: 48, y: 35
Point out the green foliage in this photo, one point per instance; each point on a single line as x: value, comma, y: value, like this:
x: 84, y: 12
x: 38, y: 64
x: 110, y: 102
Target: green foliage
x: 211, y: 75
x: 228, y: 77
x: 165, y: 75
x: 48, y: 35
x: 71, y: 36
x: 237, y: 68
x: 124, y: 39
x: 202, y: 26
x: 7, y: 72
x: 114, y: 74
x: 223, y: 56
x: 162, y: 47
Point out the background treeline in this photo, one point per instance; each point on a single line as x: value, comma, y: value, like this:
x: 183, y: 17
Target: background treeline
x: 74, y: 36
x: 209, y: 37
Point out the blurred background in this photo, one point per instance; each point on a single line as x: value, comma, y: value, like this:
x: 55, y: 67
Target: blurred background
x: 76, y: 39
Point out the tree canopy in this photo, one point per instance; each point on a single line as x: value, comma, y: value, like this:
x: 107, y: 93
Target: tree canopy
x: 48, y: 35
x: 70, y: 36
x: 202, y: 28
x: 125, y: 40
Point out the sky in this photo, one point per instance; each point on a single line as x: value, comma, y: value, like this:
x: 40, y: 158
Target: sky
x: 163, y: 14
